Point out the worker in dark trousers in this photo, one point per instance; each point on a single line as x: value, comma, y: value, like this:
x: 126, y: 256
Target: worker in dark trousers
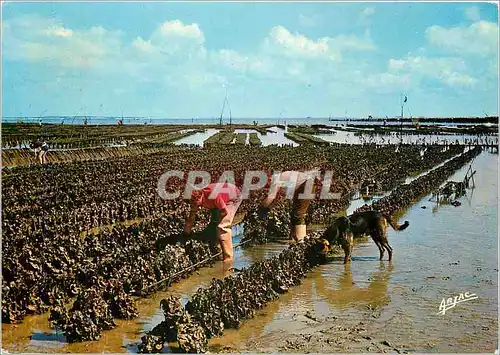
x: 41, y: 148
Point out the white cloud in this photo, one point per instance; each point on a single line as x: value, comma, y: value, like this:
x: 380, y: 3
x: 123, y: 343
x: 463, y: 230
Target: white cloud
x: 281, y: 41
x: 284, y: 56
x: 396, y: 64
x: 174, y: 48
x: 234, y: 60
x: 479, y: 38
x: 296, y: 44
x: 35, y: 38
x: 175, y: 41
x: 143, y: 46
x: 296, y: 68
x: 450, y: 71
x: 38, y: 39
x: 58, y: 31
x: 176, y: 28
x: 472, y: 13
x: 458, y: 79
x: 388, y: 80
x: 352, y: 43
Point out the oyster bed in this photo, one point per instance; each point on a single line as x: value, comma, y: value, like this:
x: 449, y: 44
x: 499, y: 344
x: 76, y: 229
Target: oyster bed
x: 227, y: 302
x: 406, y: 194
x: 46, y: 262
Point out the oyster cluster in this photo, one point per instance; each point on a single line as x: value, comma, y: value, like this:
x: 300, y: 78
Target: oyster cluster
x: 105, y: 283
x: 404, y: 195
x: 177, y: 326
x: 227, y: 302
x: 88, y: 317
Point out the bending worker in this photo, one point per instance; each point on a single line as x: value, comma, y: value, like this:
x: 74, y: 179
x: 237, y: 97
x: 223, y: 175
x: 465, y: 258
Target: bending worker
x: 301, y: 184
x: 223, y: 200
x: 41, y: 149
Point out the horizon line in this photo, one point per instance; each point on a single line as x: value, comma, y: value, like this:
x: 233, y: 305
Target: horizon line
x: 246, y: 118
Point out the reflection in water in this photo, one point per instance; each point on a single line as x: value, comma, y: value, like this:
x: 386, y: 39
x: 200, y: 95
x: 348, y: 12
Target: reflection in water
x: 395, y: 138
x: 275, y: 135
x: 197, y: 138
x: 348, y: 294
x: 317, y: 292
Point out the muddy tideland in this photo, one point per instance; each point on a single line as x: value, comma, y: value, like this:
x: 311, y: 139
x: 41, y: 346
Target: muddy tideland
x: 449, y: 252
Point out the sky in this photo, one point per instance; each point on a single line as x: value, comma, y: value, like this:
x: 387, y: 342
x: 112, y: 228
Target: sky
x: 178, y: 60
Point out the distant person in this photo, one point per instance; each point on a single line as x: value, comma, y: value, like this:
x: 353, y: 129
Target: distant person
x: 41, y: 148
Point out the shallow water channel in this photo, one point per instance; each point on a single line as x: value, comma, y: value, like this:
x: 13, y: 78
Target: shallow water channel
x: 395, y: 138
x: 446, y: 251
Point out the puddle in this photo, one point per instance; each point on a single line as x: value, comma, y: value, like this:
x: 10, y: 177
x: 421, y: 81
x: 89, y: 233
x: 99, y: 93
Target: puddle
x: 278, y: 137
x: 197, y: 139
x: 274, y: 135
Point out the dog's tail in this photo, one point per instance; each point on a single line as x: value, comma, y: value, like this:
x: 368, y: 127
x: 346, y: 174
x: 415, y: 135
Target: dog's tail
x: 394, y: 225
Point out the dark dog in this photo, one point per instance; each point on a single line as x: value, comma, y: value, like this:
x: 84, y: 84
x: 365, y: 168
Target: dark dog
x: 340, y: 233
x: 374, y: 223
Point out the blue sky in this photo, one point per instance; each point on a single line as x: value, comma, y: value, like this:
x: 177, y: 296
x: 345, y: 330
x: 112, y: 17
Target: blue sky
x: 298, y: 59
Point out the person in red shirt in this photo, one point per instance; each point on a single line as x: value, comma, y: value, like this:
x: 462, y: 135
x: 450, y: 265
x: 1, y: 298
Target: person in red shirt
x: 224, y: 198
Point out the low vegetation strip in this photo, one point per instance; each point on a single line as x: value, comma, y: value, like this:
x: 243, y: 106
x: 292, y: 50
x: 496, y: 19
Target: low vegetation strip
x: 24, y: 157
x: 254, y: 140
x: 223, y: 137
x: 241, y: 139
x: 165, y: 140
x: 422, y: 130
x: 314, y: 129
x: 314, y: 140
x: 261, y: 129
x: 303, y: 138
x: 77, y: 136
x: 296, y: 138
